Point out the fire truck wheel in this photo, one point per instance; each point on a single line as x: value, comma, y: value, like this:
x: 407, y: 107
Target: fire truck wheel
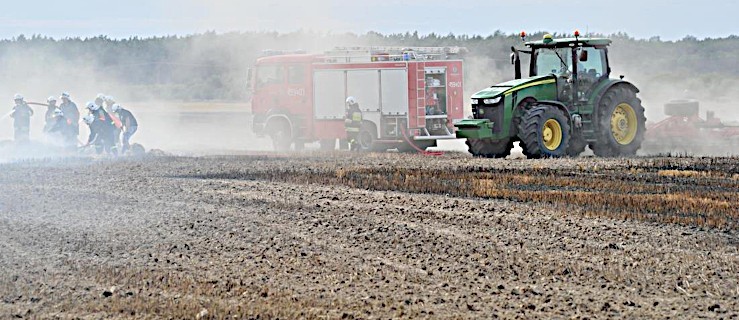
x: 366, y: 138
x: 281, y: 139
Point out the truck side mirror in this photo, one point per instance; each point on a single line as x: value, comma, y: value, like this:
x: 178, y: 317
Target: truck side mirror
x: 584, y: 55
x: 513, y: 58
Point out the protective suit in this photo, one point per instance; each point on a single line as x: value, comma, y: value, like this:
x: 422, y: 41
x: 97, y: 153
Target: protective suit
x: 352, y: 122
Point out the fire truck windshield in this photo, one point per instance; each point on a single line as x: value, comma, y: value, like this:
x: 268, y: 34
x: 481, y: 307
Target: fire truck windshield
x: 269, y: 74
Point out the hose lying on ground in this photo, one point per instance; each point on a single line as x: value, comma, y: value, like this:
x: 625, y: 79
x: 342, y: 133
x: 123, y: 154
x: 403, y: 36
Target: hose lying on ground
x: 414, y: 146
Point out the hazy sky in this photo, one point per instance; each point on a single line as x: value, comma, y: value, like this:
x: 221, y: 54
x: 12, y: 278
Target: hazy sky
x: 121, y: 19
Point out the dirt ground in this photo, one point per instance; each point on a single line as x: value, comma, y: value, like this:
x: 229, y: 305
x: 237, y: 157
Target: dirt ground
x: 325, y: 236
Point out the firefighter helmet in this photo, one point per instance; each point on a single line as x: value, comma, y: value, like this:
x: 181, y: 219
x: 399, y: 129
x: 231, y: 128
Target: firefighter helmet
x: 17, y: 97
x: 92, y: 106
x: 88, y: 119
x: 50, y: 99
x: 109, y: 100
x: 351, y: 100
x: 115, y: 107
x: 65, y: 95
x: 58, y: 112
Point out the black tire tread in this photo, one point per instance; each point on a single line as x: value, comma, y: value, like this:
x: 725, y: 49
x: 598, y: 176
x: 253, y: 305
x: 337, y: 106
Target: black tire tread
x: 488, y: 148
x: 529, y: 132
x: 606, y: 145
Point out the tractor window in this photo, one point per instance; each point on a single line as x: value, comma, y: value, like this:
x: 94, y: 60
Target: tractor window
x: 295, y: 74
x: 553, y: 61
x: 595, y: 66
x: 267, y: 75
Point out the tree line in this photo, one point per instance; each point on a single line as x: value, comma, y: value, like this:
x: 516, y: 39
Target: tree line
x: 213, y: 66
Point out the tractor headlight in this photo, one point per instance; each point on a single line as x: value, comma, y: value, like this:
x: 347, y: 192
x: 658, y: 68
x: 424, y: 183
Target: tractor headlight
x: 491, y: 101
x: 474, y: 101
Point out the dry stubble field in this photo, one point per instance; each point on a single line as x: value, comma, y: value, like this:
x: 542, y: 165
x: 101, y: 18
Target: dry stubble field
x: 369, y: 236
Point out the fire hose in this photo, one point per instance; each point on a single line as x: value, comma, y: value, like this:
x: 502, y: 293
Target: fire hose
x: 419, y: 150
x: 31, y: 103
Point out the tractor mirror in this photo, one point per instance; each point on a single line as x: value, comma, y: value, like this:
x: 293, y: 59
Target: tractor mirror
x: 584, y: 55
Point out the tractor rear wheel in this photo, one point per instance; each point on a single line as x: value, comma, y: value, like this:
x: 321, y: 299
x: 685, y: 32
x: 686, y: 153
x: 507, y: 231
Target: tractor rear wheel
x: 621, y: 124
x: 489, y: 148
x: 544, y: 132
x: 682, y: 108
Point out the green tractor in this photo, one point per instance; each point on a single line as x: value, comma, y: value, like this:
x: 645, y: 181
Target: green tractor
x: 568, y: 102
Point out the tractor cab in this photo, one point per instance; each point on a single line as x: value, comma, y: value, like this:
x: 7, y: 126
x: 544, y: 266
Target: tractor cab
x: 578, y: 64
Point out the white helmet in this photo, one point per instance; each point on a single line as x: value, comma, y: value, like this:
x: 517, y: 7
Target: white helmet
x: 88, y: 119
x: 18, y: 96
x: 100, y: 96
x: 65, y: 95
x: 92, y: 106
x: 58, y: 112
x: 351, y: 100
x: 109, y: 100
x: 50, y: 99
x: 115, y: 107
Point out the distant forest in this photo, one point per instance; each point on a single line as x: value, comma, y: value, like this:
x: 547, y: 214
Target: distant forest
x: 213, y: 66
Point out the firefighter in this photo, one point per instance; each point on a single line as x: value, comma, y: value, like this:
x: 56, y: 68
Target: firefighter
x: 100, y: 99
x: 56, y: 128
x: 109, y: 103
x: 101, y: 129
x: 130, y: 125
x: 72, y: 115
x: 352, y: 122
x: 22, y: 119
x: 50, y: 108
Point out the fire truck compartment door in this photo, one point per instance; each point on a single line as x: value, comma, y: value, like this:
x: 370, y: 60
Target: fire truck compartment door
x: 328, y: 94
x: 394, y: 91
x: 364, y: 85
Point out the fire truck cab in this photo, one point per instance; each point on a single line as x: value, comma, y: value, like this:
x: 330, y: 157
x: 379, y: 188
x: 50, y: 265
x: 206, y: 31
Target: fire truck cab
x: 409, y: 97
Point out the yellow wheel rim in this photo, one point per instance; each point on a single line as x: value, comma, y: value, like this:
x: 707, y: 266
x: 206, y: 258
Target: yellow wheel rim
x: 624, y: 124
x: 551, y: 134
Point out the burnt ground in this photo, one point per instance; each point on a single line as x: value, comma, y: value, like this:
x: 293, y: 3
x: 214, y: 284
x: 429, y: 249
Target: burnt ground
x: 369, y: 236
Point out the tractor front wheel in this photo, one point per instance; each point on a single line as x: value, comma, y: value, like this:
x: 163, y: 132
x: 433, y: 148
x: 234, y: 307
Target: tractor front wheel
x: 488, y: 148
x: 621, y: 124
x: 544, y: 132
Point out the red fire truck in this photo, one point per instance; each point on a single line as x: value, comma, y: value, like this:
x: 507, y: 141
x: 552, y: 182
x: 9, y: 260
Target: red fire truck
x: 409, y: 97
